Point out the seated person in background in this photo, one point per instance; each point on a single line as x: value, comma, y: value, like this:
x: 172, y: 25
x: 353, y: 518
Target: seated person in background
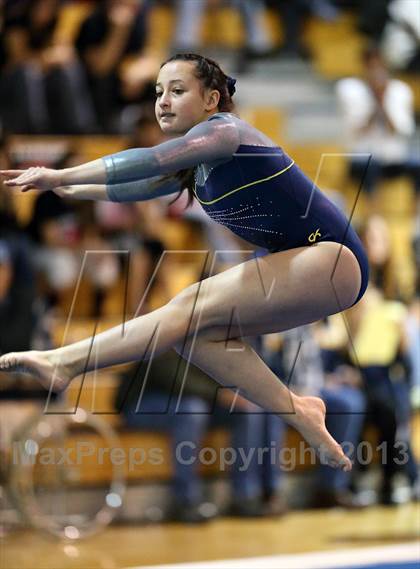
x: 189, y: 23
x: 413, y: 323
x: 379, y: 347
x: 114, y: 31
x: 42, y: 85
x: 376, y: 236
x: 17, y: 290
x: 385, y: 346
x: 17, y: 293
x: 344, y: 385
x: 202, y: 405
x: 135, y: 229
x: 295, y: 355
x: 63, y: 232
x: 379, y: 122
x: 294, y: 16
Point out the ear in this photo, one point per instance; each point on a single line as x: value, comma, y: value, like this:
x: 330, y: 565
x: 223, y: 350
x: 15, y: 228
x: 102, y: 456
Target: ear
x: 212, y: 100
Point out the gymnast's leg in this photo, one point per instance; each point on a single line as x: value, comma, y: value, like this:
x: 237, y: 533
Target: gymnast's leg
x: 235, y: 363
x: 275, y: 293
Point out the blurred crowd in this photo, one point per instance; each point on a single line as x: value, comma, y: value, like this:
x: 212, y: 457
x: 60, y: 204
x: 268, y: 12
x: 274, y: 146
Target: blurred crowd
x: 364, y: 364
x: 90, y: 70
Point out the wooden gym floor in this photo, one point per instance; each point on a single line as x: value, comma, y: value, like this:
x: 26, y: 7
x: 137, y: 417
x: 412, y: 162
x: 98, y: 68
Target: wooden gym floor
x: 123, y: 546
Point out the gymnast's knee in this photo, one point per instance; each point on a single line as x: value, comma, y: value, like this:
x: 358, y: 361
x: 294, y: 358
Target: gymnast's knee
x: 200, y: 309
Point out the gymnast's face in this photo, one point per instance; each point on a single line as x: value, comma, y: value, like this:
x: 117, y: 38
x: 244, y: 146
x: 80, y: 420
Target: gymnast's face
x: 181, y: 100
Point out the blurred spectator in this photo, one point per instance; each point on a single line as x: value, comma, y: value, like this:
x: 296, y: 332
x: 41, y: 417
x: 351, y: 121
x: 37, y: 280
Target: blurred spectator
x: 379, y: 121
x: 63, y: 232
x: 137, y: 249
x: 135, y: 228
x: 401, y: 39
x: 296, y: 355
x: 294, y: 16
x: 413, y: 346
x: 258, y: 44
x: 146, y: 131
x: 42, y: 87
x: 413, y: 322
x: 380, y: 349
x: 189, y: 24
x: 375, y: 234
x: 111, y: 44
x: 17, y: 290
x: 384, y: 348
x: 103, y: 265
x: 54, y: 231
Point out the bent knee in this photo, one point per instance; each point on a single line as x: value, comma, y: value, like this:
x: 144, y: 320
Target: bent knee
x: 199, y: 306
x: 187, y: 298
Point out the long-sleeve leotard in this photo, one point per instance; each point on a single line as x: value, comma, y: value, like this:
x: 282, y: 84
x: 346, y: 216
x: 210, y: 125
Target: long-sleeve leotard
x: 211, y: 140
x: 142, y: 173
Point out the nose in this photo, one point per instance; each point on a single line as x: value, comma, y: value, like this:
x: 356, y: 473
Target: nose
x: 164, y: 101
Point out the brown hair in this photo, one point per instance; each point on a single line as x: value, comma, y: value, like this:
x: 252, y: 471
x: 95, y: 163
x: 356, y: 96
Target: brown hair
x: 212, y: 77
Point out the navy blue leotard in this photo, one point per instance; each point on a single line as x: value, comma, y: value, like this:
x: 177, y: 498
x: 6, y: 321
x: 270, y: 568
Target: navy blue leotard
x: 243, y: 182
x: 264, y: 197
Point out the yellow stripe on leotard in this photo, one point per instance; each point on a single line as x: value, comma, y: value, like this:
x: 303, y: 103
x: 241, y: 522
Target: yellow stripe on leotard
x: 243, y: 187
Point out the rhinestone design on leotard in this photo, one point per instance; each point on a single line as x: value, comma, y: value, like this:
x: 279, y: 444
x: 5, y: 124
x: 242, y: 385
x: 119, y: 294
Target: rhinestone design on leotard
x: 232, y: 219
x: 241, y: 198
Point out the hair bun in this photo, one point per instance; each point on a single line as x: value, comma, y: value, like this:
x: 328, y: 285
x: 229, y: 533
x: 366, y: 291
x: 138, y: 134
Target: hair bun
x: 231, y: 82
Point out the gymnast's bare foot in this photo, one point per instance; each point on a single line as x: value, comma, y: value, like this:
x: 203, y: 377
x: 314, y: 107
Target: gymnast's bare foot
x: 45, y: 366
x: 309, y: 420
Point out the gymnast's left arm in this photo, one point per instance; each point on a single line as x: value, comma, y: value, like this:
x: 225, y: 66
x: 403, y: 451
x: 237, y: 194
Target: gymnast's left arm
x: 207, y: 142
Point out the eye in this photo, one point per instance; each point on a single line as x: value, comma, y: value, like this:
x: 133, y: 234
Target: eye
x: 178, y: 91
x: 158, y: 94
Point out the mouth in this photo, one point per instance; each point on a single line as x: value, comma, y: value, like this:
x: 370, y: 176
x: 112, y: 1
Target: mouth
x: 167, y: 116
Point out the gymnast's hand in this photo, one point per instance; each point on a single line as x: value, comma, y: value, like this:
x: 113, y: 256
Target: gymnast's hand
x: 36, y: 178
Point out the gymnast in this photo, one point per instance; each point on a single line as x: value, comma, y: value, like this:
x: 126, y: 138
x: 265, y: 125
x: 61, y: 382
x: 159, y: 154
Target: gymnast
x: 315, y: 266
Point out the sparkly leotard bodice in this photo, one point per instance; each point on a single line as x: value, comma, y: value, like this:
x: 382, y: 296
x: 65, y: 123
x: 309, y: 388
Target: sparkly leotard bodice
x: 239, y: 194
x: 264, y: 197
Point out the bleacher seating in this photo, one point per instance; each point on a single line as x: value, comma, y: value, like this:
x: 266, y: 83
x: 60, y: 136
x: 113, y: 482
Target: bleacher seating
x: 97, y: 396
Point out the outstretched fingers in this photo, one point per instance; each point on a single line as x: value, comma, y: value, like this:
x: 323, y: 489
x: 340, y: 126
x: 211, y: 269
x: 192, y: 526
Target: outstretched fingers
x: 11, y: 175
x: 37, y: 177
x: 23, y: 178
